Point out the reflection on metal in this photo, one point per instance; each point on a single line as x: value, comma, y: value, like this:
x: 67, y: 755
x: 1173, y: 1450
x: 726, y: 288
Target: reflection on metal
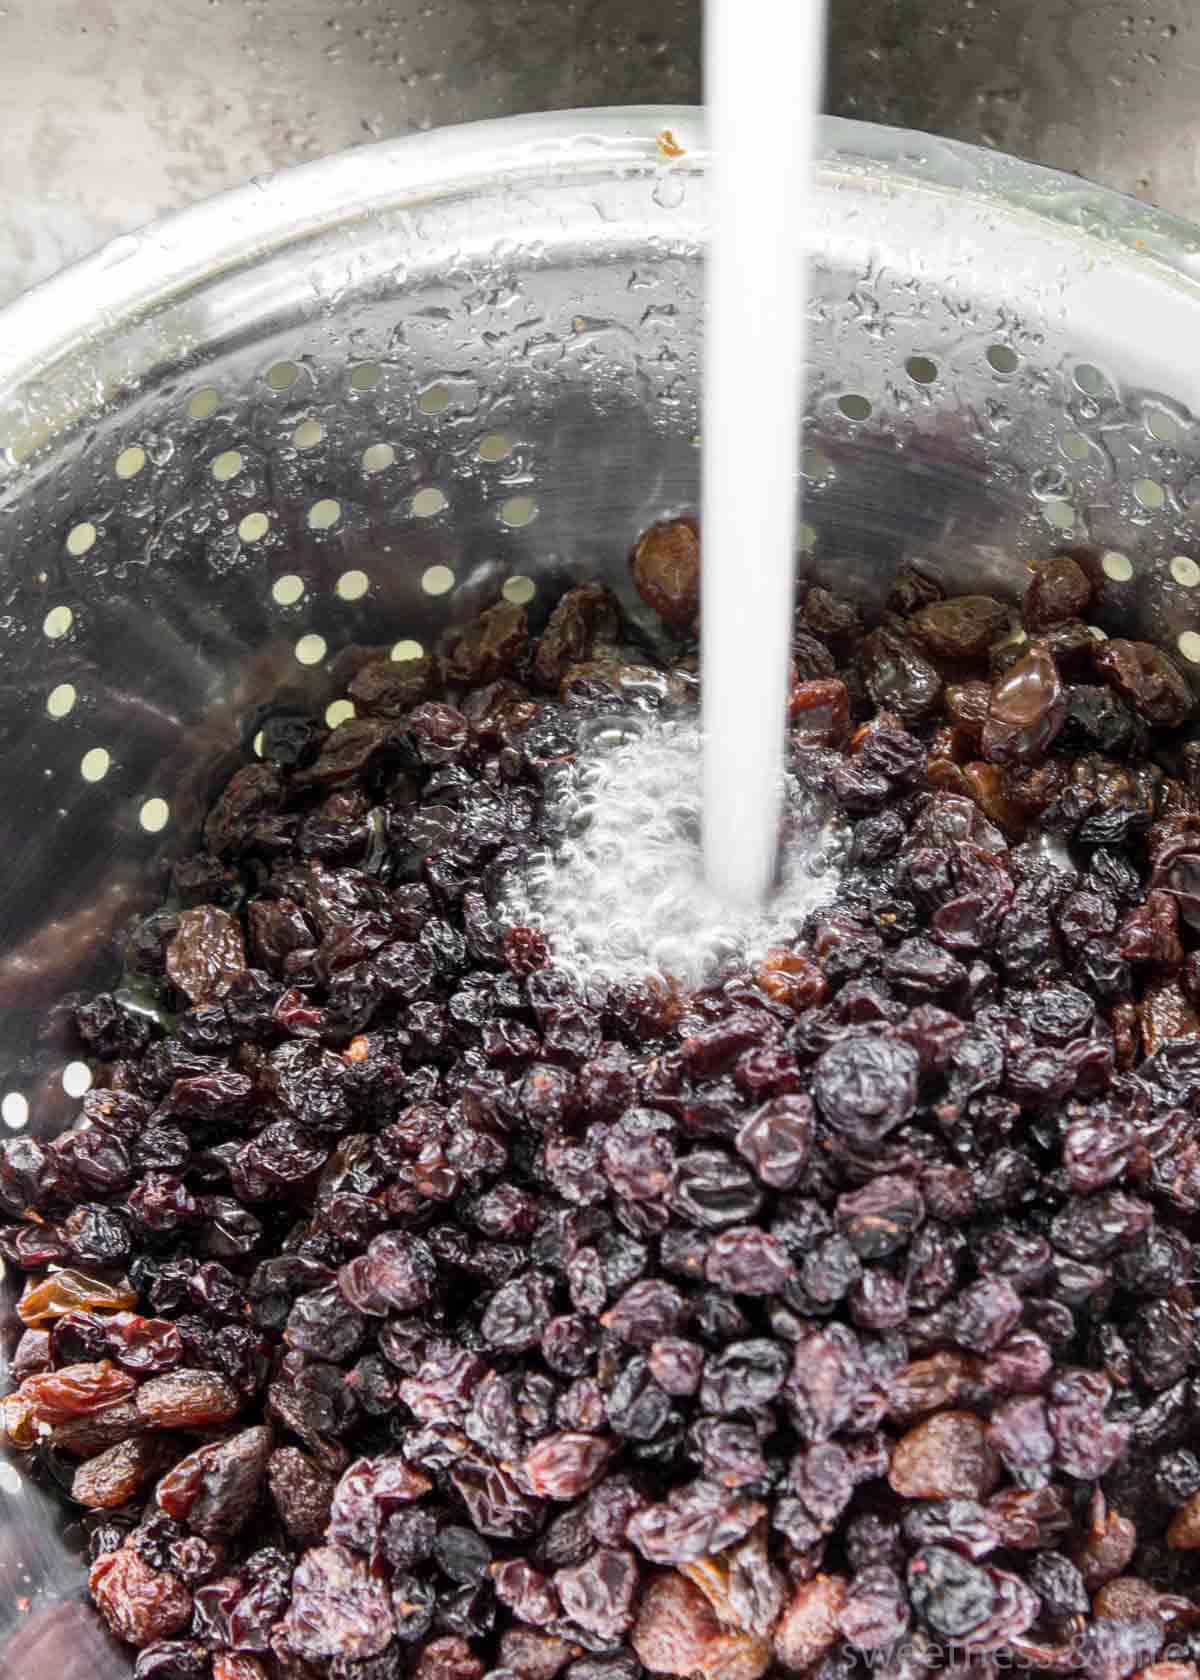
x: 159, y: 643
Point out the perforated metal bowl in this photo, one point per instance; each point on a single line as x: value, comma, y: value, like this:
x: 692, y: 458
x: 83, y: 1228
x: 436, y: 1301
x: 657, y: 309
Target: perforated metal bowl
x: 354, y: 403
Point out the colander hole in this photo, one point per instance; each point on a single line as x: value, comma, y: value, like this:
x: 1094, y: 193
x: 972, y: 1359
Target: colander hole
x: 427, y: 502
x: 308, y: 434
x: 80, y: 538
x: 377, y: 457
x: 519, y: 589
x: 921, y: 370
x: 154, y: 815
x: 1003, y: 358
x: 311, y: 649
x: 324, y: 515
x: 1061, y: 515
x: 228, y: 464
x: 365, y: 376
x: 61, y: 700
x: 434, y: 399
x: 855, y: 407
x: 57, y: 622
x: 352, y: 586
x: 254, y: 527
x: 495, y: 447
x: 1090, y: 380
x: 518, y: 511
x: 1115, y: 565
x: 1150, y: 494
x: 1185, y: 571
x: 407, y: 649
x: 257, y: 744
x: 437, y: 580
x: 77, y: 1079
x: 93, y: 766
x: 203, y: 404
x: 339, y: 711
x: 287, y: 590
x: 1163, y: 427
x: 1075, y: 446
x: 1189, y: 646
x: 282, y: 376
x: 14, y: 1110
x: 130, y: 461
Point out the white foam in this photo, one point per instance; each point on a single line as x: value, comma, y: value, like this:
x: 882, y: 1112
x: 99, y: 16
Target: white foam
x: 623, y: 893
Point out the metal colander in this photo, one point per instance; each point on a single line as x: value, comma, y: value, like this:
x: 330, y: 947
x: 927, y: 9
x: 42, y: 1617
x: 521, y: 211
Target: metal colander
x: 355, y: 403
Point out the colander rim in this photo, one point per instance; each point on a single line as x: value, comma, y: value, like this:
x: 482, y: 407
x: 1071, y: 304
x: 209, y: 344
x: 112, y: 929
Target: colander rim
x: 140, y: 271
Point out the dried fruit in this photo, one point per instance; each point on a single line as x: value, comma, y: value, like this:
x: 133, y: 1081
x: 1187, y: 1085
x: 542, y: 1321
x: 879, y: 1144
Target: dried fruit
x: 810, y: 1622
x: 948, y: 1456
x: 140, y: 1604
x: 187, y: 1399
x: 1147, y: 678
x: 666, y: 571
x: 71, y: 1291
x: 963, y: 627
x: 113, y: 1477
x: 604, y: 1314
x: 1025, y: 712
x: 677, y: 1632
x: 206, y: 952
x: 75, y: 1391
x: 338, y: 1608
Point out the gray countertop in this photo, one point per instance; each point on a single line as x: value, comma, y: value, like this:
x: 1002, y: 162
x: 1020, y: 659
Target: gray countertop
x: 119, y: 110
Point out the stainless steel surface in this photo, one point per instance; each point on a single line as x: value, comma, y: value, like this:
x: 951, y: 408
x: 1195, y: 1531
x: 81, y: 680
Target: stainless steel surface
x: 115, y: 113
x: 351, y: 404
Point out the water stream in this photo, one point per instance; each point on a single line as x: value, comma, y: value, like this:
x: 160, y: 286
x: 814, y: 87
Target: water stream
x: 763, y: 66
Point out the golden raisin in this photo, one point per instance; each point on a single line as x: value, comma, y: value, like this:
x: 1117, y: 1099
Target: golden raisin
x: 187, y: 1400
x: 666, y: 571
x: 72, y: 1291
x: 945, y: 1457
x: 75, y: 1390
x: 111, y: 1479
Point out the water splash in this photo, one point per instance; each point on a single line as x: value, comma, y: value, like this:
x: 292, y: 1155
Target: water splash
x: 622, y: 894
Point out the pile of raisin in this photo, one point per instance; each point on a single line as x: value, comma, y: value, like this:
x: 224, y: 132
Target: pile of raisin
x: 399, y: 1308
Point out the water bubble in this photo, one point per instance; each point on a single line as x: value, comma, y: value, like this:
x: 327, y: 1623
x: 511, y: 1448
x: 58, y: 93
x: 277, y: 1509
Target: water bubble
x: 670, y: 190
x: 622, y: 894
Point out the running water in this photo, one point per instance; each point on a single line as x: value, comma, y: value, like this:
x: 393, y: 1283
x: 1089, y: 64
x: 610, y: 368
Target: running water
x: 763, y: 66
x: 672, y: 838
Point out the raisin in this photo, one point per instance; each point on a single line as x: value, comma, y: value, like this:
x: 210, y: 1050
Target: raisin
x: 488, y: 647
x: 810, y: 1622
x: 565, y: 1465
x: 1059, y: 590
x: 1025, y: 712
x: 898, y: 676
x: 140, y: 1604
x: 113, y: 1477
x: 963, y: 627
x: 866, y: 1087
x: 187, y: 1399
x: 70, y: 1291
x: 947, y: 1456
x: 1147, y: 678
x: 206, y: 952
x: 666, y: 571
x: 338, y: 1609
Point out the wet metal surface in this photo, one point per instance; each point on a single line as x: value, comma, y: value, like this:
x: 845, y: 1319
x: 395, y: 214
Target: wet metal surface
x: 119, y: 110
